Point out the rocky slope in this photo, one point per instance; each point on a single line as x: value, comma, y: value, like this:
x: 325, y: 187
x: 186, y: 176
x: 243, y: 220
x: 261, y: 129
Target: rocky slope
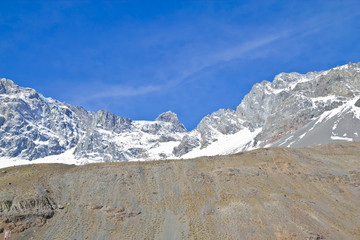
x: 293, y: 110
x: 269, y: 193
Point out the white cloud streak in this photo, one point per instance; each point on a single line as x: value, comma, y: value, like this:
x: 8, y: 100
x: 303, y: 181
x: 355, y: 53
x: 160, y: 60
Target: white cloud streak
x: 124, y: 91
x: 225, y: 55
x: 118, y: 91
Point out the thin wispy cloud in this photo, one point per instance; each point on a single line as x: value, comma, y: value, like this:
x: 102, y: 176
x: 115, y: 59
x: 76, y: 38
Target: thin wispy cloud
x: 228, y: 54
x: 212, y: 59
x: 237, y: 51
x: 319, y: 23
x: 200, y: 60
x: 114, y: 91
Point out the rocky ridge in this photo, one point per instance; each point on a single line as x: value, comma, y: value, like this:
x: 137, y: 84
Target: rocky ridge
x: 274, y: 110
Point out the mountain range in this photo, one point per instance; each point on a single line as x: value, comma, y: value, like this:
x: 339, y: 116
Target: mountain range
x: 294, y: 110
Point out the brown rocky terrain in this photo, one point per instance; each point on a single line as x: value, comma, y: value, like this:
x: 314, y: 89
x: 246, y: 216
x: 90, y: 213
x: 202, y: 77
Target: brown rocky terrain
x: 269, y: 193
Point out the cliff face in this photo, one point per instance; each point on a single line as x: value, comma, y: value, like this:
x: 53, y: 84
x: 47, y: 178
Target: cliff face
x: 271, y: 193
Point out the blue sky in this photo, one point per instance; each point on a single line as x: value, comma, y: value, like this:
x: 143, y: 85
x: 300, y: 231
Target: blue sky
x: 138, y: 59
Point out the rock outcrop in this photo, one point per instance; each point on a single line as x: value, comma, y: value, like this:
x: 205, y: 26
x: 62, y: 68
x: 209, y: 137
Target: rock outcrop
x: 19, y: 215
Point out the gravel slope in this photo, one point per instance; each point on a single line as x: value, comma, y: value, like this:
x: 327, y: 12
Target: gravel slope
x: 270, y: 193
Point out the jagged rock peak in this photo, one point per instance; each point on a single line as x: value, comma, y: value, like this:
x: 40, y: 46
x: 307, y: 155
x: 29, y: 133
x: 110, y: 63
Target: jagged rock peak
x: 5, y: 81
x: 111, y: 122
x: 6, y: 85
x: 168, y: 116
x: 171, y: 117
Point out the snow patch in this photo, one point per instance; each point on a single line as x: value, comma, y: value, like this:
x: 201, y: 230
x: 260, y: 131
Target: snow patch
x: 65, y: 158
x: 341, y: 138
x: 227, y: 144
